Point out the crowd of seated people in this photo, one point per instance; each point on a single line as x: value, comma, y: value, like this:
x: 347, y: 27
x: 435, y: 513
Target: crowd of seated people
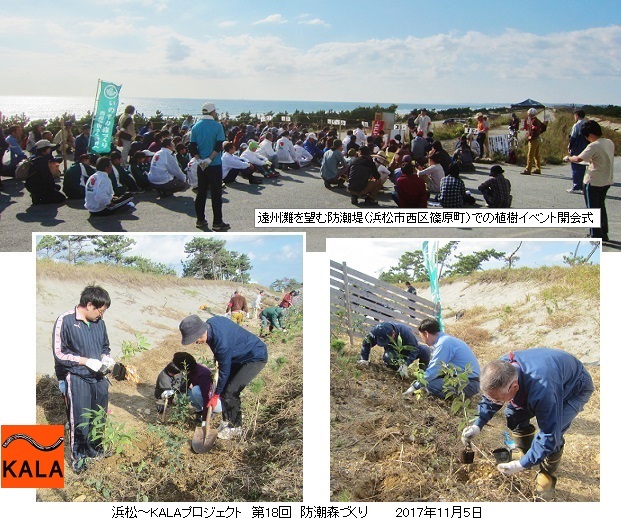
x: 158, y: 160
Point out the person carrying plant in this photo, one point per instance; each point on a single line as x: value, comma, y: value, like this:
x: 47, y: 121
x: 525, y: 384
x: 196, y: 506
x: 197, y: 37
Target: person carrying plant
x: 240, y: 355
x: 272, y: 317
x: 81, y: 354
x: 548, y: 384
x: 447, y: 350
x: 400, y: 346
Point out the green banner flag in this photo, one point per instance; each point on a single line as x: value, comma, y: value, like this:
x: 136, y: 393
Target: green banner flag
x: 430, y: 254
x: 106, y: 104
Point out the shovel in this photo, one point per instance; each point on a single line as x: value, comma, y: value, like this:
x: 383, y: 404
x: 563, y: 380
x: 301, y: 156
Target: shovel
x: 204, y: 439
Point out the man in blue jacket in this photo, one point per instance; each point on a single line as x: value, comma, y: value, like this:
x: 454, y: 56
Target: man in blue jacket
x: 385, y: 335
x: 548, y: 384
x: 447, y: 350
x: 240, y: 355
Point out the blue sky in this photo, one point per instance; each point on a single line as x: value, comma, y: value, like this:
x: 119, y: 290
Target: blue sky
x: 401, y: 51
x: 272, y: 256
x: 372, y: 256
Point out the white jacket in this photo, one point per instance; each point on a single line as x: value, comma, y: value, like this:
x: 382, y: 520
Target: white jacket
x: 164, y: 167
x: 254, y: 158
x: 302, y: 156
x: 230, y: 161
x: 286, y: 153
x: 98, y: 192
x: 267, y: 148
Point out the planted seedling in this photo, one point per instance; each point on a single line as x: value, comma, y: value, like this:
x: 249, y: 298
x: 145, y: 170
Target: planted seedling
x: 454, y: 385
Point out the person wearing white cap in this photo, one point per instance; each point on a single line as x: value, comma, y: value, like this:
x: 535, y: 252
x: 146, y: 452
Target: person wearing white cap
x: 40, y: 183
x: 206, y: 139
x: 534, y: 128
x: 310, y: 144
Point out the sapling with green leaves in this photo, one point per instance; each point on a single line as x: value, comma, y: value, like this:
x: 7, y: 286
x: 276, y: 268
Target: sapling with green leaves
x: 402, y: 351
x: 454, y: 384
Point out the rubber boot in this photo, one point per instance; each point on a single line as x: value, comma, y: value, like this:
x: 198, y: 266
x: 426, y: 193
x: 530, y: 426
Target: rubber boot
x: 523, y: 438
x: 545, y: 481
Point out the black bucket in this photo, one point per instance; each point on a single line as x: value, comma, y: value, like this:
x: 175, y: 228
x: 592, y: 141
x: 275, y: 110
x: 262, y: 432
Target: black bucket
x: 467, y: 456
x: 502, y: 455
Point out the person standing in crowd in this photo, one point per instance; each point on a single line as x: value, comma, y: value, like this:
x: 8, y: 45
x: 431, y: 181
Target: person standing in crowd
x: 206, y: 139
x: 577, y: 144
x: 126, y: 133
x: 237, y: 307
x: 534, y: 127
x: 600, y: 153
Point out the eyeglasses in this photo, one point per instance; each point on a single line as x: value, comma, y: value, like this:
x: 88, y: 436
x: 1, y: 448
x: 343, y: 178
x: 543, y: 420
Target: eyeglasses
x: 101, y: 312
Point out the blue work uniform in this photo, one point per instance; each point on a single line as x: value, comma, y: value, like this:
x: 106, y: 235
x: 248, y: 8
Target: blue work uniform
x: 554, y: 387
x: 408, y: 338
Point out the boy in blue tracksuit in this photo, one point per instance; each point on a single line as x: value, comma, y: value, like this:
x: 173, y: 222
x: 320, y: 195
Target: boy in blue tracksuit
x: 385, y: 335
x: 80, y: 343
x: 240, y: 355
x: 548, y: 384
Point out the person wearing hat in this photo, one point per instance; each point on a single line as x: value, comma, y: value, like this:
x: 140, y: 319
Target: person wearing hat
x: 446, y: 350
x: 385, y: 335
x: 310, y: 144
x: 496, y: 190
x: 206, y: 139
x: 41, y: 181
x: 534, y: 128
x: 240, y: 355
x: 260, y: 162
x: 548, y: 384
x: 381, y: 161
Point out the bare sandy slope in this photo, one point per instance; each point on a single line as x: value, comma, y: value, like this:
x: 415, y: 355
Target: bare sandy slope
x: 154, y: 312
x: 570, y: 322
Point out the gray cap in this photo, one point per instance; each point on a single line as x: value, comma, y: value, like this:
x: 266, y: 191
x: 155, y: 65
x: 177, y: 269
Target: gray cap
x: 192, y: 328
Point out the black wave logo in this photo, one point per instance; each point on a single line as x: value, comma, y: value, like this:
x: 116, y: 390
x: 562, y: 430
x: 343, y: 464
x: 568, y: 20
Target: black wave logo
x: 32, y: 442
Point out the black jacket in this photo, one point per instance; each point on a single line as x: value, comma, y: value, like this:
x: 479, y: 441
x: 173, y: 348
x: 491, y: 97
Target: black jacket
x: 362, y: 169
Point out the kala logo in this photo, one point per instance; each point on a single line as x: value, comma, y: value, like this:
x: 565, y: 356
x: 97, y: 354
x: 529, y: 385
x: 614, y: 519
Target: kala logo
x: 33, y: 456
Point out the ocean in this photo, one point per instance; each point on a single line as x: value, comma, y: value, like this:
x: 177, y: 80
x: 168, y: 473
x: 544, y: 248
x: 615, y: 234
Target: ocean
x: 47, y: 107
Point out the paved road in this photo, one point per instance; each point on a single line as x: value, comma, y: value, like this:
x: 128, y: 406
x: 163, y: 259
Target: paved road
x: 294, y: 189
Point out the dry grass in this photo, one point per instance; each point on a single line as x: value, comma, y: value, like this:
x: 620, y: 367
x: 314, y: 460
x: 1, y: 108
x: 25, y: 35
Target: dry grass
x: 387, y: 448
x: 158, y: 465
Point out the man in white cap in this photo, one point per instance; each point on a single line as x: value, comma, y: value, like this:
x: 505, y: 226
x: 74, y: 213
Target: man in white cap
x: 205, y: 146
x: 534, y: 129
x: 310, y: 144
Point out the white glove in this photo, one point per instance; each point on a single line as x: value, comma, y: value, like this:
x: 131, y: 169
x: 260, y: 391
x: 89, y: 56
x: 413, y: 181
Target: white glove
x: 403, y: 370
x: 363, y: 363
x: 566, y: 158
x: 204, y: 162
x: 167, y: 394
x: 93, y: 364
x: 284, y: 330
x: 107, y: 361
x: 509, y: 468
x: 469, y: 433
